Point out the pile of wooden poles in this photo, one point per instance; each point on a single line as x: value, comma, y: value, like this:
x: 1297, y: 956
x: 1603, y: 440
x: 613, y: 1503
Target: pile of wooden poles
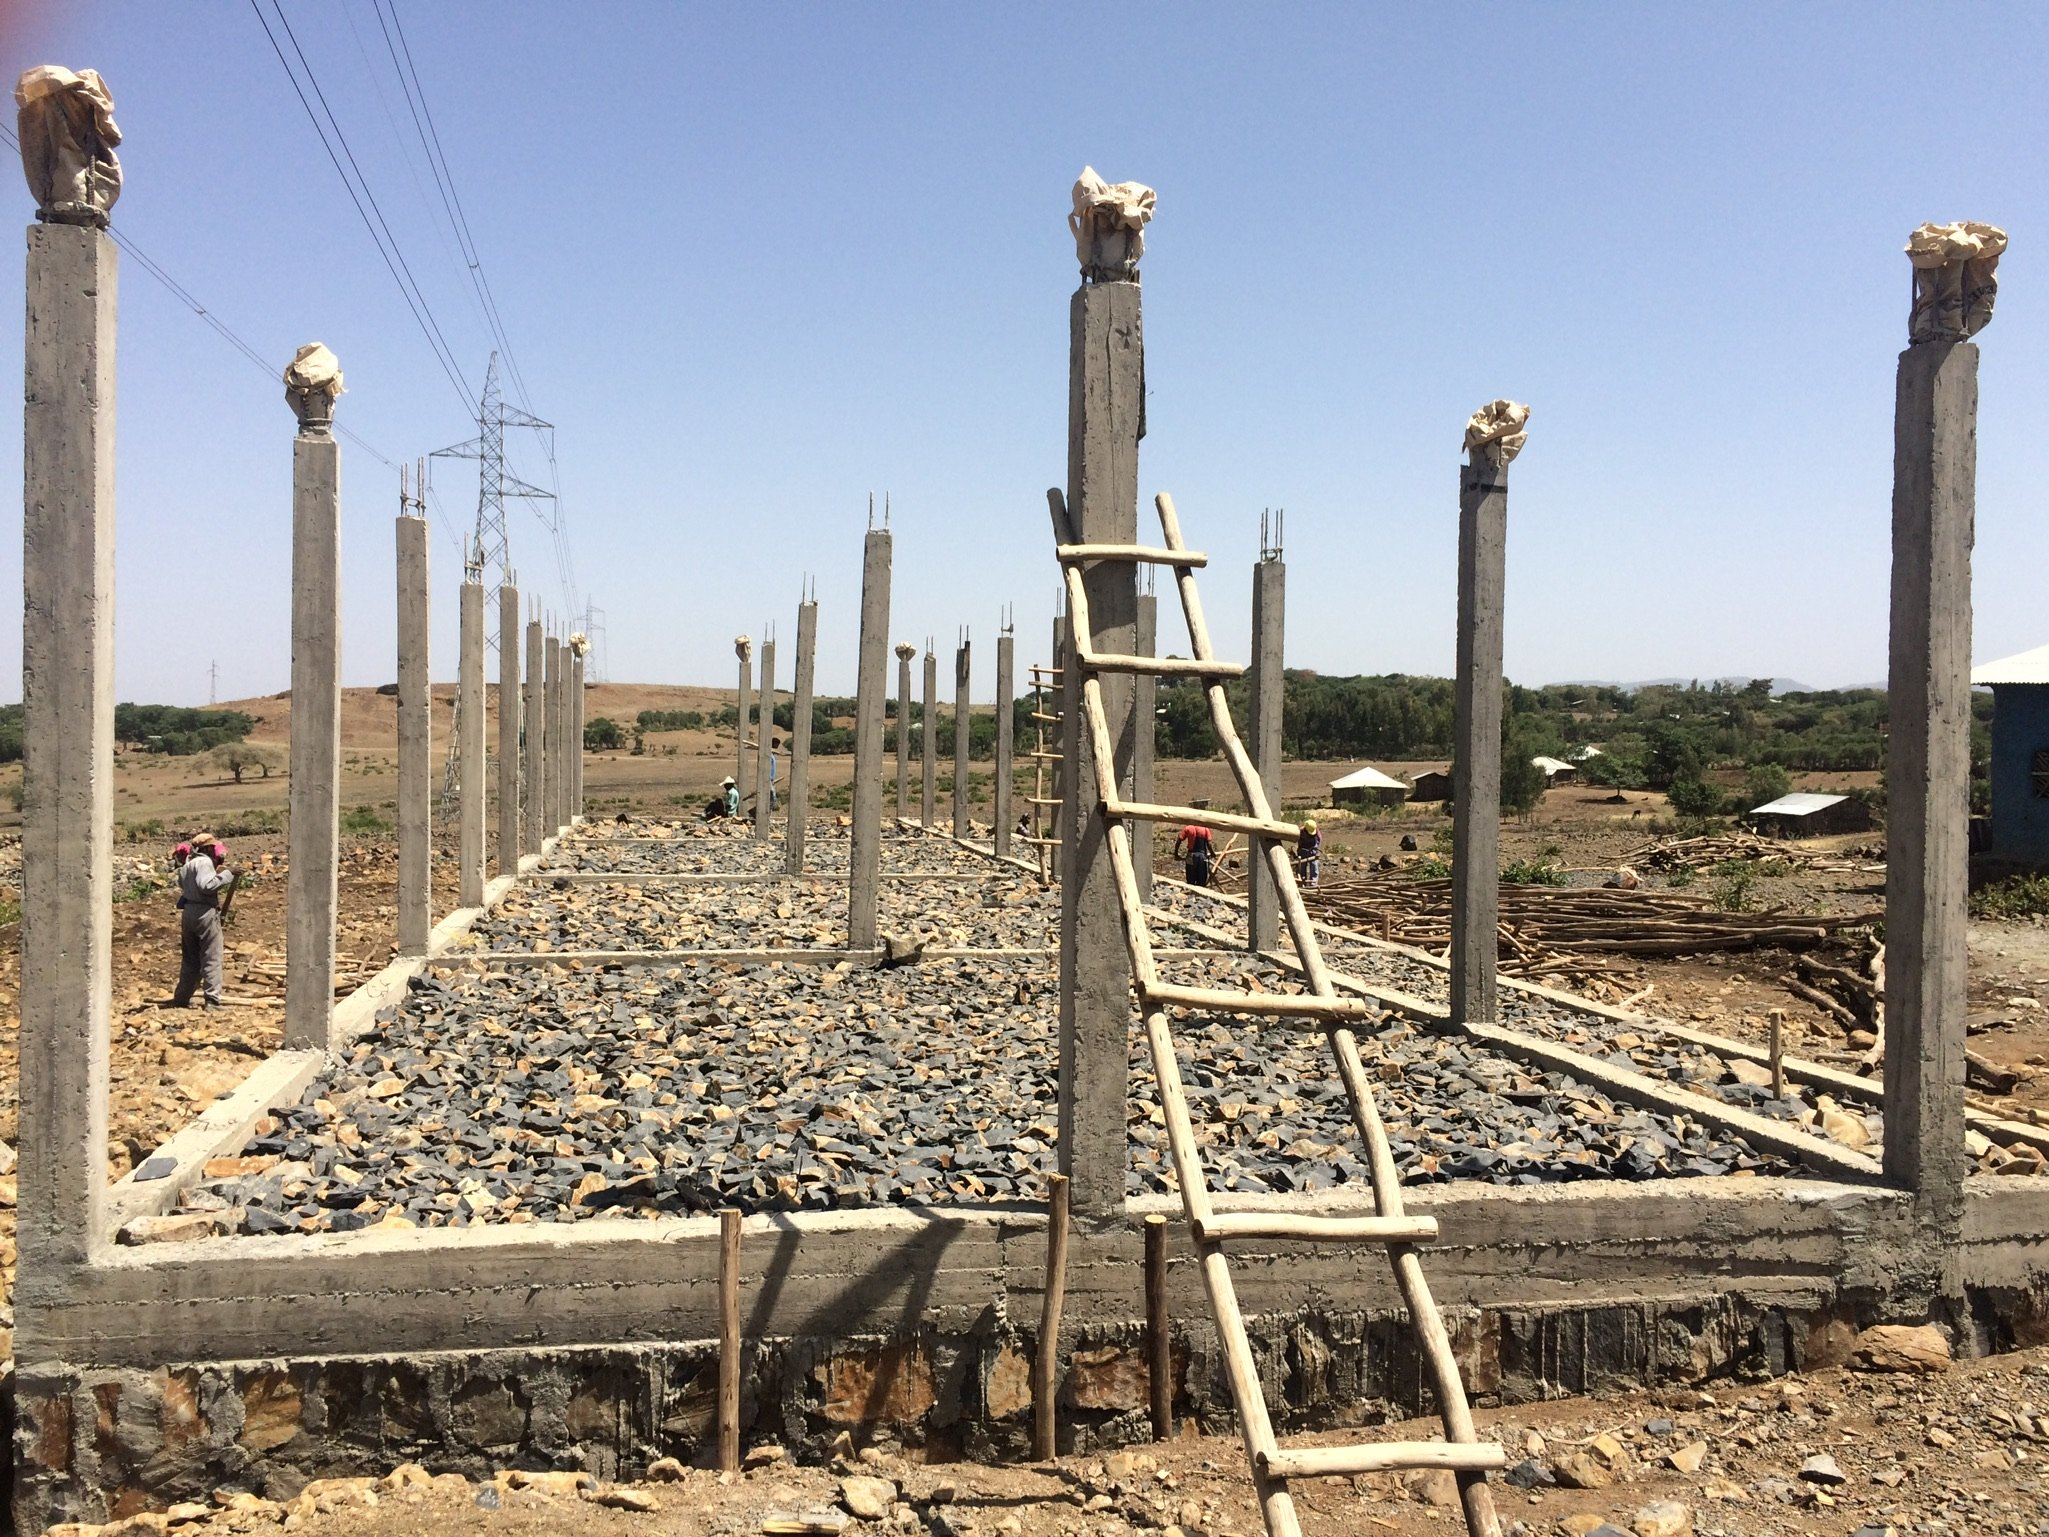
x: 1709, y: 850
x: 1576, y: 929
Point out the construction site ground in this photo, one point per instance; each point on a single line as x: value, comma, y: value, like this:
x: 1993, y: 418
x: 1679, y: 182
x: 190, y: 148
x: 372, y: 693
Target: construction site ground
x: 167, y: 1064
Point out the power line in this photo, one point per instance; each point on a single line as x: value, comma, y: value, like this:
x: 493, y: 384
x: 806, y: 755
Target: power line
x: 186, y: 298
x: 444, y: 182
x: 394, y: 259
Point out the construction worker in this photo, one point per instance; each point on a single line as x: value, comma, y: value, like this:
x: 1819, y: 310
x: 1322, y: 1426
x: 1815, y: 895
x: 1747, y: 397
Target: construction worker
x: 202, y: 881
x: 732, y: 796
x: 1198, y: 850
x: 1309, y: 854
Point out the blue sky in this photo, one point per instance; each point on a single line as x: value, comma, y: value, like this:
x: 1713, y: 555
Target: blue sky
x: 757, y: 262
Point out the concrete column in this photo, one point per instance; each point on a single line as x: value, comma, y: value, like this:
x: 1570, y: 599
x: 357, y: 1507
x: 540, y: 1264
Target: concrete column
x: 1145, y: 697
x: 557, y: 759
x: 765, y: 732
x: 534, y: 820
x: 314, y: 796
x: 1935, y: 452
x: 415, y: 741
x: 1476, y: 737
x: 904, y: 652
x: 509, y: 713
x: 67, y: 693
x: 743, y: 648
x: 576, y: 716
x: 565, y: 760
x: 800, y: 737
x: 928, y: 746
x: 1105, y: 419
x: 1269, y: 646
x: 963, y: 737
x: 469, y: 750
x: 864, y: 857
x: 1006, y: 743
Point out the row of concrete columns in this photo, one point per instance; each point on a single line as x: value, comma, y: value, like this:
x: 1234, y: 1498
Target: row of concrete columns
x: 551, y: 712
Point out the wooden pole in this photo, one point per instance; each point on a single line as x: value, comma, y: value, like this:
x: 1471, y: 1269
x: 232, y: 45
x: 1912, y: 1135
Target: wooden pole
x: 1158, y: 1332
x: 1778, y: 1018
x: 729, y: 1340
x: 1046, y: 1366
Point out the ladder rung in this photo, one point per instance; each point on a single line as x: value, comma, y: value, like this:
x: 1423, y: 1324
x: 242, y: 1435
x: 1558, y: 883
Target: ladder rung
x: 1232, y: 1001
x: 1160, y: 666
x: 1382, y: 1457
x: 1036, y: 715
x: 1051, y: 757
x: 1145, y: 811
x: 1050, y: 843
x: 1042, y: 800
x: 1219, y: 1226
x: 1142, y: 554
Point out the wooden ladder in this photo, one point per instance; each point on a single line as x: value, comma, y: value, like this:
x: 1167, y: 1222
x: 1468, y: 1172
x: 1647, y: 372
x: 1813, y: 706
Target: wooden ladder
x: 1462, y: 1452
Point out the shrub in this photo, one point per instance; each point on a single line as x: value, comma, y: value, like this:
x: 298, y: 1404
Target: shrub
x: 1735, y: 880
x: 2017, y: 896
x: 602, y: 734
x: 1532, y: 872
x: 363, y: 821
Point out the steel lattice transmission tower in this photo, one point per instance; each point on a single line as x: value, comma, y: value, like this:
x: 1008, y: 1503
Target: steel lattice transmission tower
x: 490, y: 547
x: 593, y: 626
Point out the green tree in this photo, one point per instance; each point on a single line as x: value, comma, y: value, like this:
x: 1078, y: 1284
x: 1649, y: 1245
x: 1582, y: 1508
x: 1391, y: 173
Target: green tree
x: 602, y: 733
x: 1694, y: 797
x: 1764, y: 783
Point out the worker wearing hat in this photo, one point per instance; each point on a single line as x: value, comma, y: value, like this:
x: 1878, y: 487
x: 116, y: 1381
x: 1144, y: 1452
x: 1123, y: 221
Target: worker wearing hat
x: 732, y: 796
x: 202, y: 881
x: 1309, y: 854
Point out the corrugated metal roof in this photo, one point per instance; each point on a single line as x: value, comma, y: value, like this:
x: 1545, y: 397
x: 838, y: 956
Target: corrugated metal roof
x: 1368, y: 778
x: 2023, y: 667
x: 1799, y: 804
x: 1550, y: 765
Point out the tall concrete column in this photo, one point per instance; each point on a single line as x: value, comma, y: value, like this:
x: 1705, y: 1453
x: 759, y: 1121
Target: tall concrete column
x: 557, y: 758
x: 1476, y: 714
x: 1935, y: 468
x: 415, y: 741
x: 1269, y: 646
x: 764, y: 755
x: 576, y: 713
x: 1105, y: 420
x: 743, y: 649
x: 1006, y: 743
x: 928, y: 745
x: 904, y: 652
x: 534, y: 822
x: 67, y: 694
x: 509, y: 713
x: 864, y: 857
x: 1145, y: 697
x: 314, y: 796
x: 800, y: 737
x: 469, y: 749
x: 963, y: 737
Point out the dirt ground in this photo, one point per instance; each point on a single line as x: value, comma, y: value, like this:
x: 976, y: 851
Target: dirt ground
x: 167, y: 1063
x: 1955, y: 1451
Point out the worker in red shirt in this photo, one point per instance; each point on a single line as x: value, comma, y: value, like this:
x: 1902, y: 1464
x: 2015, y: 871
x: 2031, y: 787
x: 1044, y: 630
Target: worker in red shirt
x: 1198, y: 849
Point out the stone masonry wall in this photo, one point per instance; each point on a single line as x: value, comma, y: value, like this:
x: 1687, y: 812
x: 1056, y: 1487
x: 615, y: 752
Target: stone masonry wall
x: 94, y: 1445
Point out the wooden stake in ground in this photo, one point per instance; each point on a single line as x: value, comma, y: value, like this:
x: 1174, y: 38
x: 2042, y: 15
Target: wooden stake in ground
x: 1158, y: 1331
x: 1046, y: 1365
x: 729, y: 1340
x: 1778, y: 1018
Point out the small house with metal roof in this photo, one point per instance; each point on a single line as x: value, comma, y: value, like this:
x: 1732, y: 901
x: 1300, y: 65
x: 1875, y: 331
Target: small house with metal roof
x: 1368, y: 787
x: 1804, y: 814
